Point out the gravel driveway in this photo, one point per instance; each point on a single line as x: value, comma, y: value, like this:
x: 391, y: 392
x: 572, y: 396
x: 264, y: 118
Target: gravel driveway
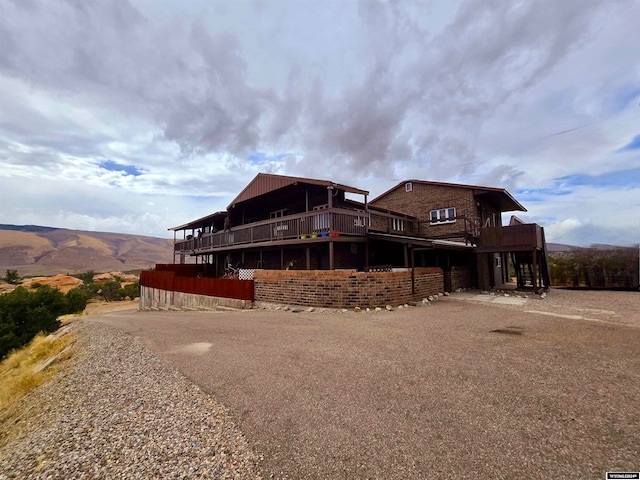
x: 457, y: 389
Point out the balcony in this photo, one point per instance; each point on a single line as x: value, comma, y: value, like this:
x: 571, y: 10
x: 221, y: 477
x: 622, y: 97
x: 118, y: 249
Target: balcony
x: 511, y: 239
x: 318, y: 225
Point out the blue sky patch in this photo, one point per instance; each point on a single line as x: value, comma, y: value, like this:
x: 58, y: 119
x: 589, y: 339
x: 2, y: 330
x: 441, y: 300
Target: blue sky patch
x: 632, y: 145
x: 623, y: 97
x: 261, y: 157
x: 116, y: 167
x: 620, y: 178
x: 541, y: 194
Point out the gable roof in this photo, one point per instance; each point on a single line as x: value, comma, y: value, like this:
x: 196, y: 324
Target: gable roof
x: 498, y: 196
x: 266, y: 182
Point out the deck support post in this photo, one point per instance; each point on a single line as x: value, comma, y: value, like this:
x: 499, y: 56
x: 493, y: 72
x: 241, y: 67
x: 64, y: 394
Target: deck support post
x: 366, y: 254
x: 308, y: 257
x: 331, y: 255
x: 413, y: 273
x: 534, y: 276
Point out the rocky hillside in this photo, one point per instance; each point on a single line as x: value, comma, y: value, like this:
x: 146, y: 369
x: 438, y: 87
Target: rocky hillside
x: 34, y: 250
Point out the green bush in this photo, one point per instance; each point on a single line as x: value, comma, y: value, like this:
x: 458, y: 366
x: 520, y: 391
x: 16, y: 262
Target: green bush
x: 90, y: 290
x: 132, y: 291
x: 23, y: 314
x: 86, y: 277
x: 12, y: 277
x: 110, y: 291
x: 76, y: 300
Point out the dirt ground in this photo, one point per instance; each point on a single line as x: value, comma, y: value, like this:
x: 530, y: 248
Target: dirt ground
x: 458, y: 389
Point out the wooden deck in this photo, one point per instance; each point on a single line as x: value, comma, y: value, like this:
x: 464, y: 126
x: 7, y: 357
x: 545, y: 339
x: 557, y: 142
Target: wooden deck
x: 324, y: 224
x: 511, y: 239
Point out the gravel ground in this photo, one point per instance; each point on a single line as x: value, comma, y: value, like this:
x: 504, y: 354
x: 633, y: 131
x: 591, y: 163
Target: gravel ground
x: 453, y: 390
x: 118, y: 412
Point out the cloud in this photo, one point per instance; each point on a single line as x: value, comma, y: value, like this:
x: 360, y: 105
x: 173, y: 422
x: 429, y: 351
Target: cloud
x: 190, y: 100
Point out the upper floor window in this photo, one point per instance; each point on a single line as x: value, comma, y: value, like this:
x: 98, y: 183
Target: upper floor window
x: 443, y: 215
x: 408, y: 187
x: 277, y: 213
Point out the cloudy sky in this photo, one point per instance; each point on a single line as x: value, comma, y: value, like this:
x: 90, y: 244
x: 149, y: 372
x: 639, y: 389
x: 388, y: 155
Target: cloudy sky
x: 135, y: 116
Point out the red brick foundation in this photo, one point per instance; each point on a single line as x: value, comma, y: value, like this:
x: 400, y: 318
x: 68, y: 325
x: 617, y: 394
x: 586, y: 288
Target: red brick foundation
x: 344, y: 288
x: 460, y: 276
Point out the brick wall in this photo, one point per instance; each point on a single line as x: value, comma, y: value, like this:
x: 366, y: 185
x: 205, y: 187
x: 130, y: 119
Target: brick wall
x: 345, y: 288
x: 461, y: 276
x: 426, y: 197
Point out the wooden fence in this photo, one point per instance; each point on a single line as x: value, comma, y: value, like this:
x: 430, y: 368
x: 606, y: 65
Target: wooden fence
x: 177, y: 281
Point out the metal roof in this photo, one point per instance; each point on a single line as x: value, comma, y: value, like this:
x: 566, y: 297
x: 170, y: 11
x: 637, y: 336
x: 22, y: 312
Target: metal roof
x: 264, y: 183
x: 200, y: 222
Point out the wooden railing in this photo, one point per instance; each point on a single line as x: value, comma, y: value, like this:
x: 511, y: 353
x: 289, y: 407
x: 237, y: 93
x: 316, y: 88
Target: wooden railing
x: 524, y: 237
x: 320, y: 223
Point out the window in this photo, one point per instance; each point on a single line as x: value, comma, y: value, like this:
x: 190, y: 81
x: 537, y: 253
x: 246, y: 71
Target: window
x: 443, y: 215
x: 397, y: 224
x: 408, y: 187
x: 277, y: 213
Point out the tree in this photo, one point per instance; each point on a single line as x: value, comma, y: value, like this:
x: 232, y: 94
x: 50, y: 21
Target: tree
x: 23, y: 314
x: 110, y: 291
x: 12, y: 276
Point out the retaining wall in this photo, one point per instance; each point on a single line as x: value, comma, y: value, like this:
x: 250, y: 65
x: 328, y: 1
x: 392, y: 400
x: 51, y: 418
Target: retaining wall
x: 158, y: 299
x: 345, y: 288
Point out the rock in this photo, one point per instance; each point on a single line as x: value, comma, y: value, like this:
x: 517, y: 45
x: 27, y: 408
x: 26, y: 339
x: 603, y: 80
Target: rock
x: 406, y: 305
x: 543, y: 295
x: 296, y: 310
x: 368, y: 309
x: 446, y: 294
x: 378, y: 309
x: 431, y: 298
x: 400, y: 307
x: 310, y: 309
x: 507, y: 295
x: 357, y: 310
x: 484, y: 292
x: 286, y: 309
x: 344, y: 310
x: 389, y: 308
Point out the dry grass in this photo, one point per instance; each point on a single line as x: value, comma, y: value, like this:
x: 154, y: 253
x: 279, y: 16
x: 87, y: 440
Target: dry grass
x: 19, y: 372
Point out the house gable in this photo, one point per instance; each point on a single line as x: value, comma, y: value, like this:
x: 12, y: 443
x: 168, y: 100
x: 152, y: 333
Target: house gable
x: 265, y: 183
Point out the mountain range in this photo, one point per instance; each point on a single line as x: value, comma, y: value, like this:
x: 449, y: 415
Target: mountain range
x: 36, y: 250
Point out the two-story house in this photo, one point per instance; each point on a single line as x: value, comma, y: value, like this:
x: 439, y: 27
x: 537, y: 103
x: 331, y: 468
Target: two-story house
x: 282, y: 222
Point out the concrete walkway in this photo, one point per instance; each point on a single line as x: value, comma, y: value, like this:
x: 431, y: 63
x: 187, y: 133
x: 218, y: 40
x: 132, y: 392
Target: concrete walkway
x: 496, y: 298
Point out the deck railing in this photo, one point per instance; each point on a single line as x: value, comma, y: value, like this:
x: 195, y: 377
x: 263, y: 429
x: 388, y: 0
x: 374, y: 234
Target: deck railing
x: 328, y: 222
x: 528, y: 236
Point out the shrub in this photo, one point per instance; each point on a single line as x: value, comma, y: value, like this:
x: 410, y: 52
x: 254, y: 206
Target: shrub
x: 12, y: 276
x: 23, y: 314
x: 76, y: 300
x: 132, y: 291
x: 111, y: 291
x: 86, y: 277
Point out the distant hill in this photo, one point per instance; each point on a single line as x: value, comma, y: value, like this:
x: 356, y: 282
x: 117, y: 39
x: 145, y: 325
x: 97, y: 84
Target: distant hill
x: 37, y: 250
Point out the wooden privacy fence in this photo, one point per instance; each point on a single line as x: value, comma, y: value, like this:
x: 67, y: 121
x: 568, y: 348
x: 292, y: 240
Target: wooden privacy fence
x: 213, y: 287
